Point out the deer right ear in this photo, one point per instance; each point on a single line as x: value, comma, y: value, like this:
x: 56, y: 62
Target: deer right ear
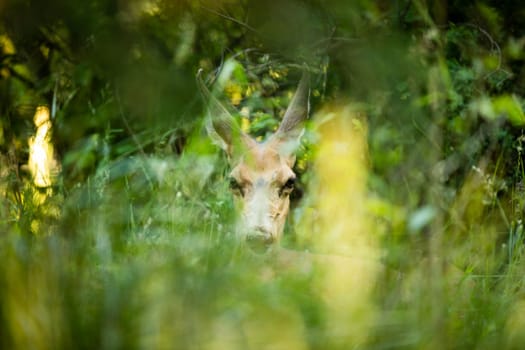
x: 220, y: 124
x: 292, y: 126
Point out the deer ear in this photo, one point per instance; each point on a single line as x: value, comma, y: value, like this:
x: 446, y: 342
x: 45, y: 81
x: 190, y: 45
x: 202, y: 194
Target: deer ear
x: 292, y: 126
x: 220, y: 124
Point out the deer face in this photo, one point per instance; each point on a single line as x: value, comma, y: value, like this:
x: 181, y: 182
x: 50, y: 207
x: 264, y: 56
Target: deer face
x: 261, y: 183
x: 261, y: 178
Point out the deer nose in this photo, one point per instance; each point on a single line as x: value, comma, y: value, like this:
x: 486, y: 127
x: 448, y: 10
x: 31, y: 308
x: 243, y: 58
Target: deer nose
x: 259, y: 239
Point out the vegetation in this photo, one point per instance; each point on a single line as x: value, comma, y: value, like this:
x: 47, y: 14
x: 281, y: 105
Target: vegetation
x: 116, y: 221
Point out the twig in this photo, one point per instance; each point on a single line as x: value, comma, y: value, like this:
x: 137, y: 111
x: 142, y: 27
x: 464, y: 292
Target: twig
x: 126, y: 124
x: 494, y: 46
x: 134, y: 137
x: 54, y: 102
x: 336, y: 39
x: 422, y: 132
x: 230, y: 18
x: 402, y: 14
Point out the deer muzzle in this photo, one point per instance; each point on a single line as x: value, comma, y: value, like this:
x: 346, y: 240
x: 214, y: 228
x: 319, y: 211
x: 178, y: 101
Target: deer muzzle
x: 259, y: 240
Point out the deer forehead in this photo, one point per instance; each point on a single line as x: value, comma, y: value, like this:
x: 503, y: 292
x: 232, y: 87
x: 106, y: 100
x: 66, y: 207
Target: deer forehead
x: 262, y: 164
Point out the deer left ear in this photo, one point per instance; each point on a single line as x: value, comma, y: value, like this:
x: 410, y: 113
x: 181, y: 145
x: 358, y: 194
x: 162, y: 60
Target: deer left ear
x: 289, y: 134
x: 221, y: 126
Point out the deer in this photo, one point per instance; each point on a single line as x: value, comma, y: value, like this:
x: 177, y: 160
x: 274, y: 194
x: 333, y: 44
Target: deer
x: 261, y: 177
x: 261, y: 180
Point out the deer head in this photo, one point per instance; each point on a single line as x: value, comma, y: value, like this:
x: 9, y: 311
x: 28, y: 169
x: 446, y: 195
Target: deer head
x: 261, y: 176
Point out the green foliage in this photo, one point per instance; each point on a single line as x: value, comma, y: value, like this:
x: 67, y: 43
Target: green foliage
x: 133, y: 246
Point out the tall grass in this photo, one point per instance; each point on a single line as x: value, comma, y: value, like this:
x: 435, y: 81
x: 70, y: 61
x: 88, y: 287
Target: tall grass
x: 143, y: 255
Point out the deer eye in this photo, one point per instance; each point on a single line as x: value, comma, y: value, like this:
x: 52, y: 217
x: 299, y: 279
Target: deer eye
x: 287, y: 187
x: 235, y: 186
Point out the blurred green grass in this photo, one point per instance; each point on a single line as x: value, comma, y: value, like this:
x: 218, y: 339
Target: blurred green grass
x: 143, y: 255
x: 133, y: 245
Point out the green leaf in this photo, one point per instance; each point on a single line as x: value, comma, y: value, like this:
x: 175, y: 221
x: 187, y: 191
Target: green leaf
x: 507, y: 106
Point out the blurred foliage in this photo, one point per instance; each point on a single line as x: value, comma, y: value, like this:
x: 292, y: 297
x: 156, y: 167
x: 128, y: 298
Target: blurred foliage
x: 132, y: 244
